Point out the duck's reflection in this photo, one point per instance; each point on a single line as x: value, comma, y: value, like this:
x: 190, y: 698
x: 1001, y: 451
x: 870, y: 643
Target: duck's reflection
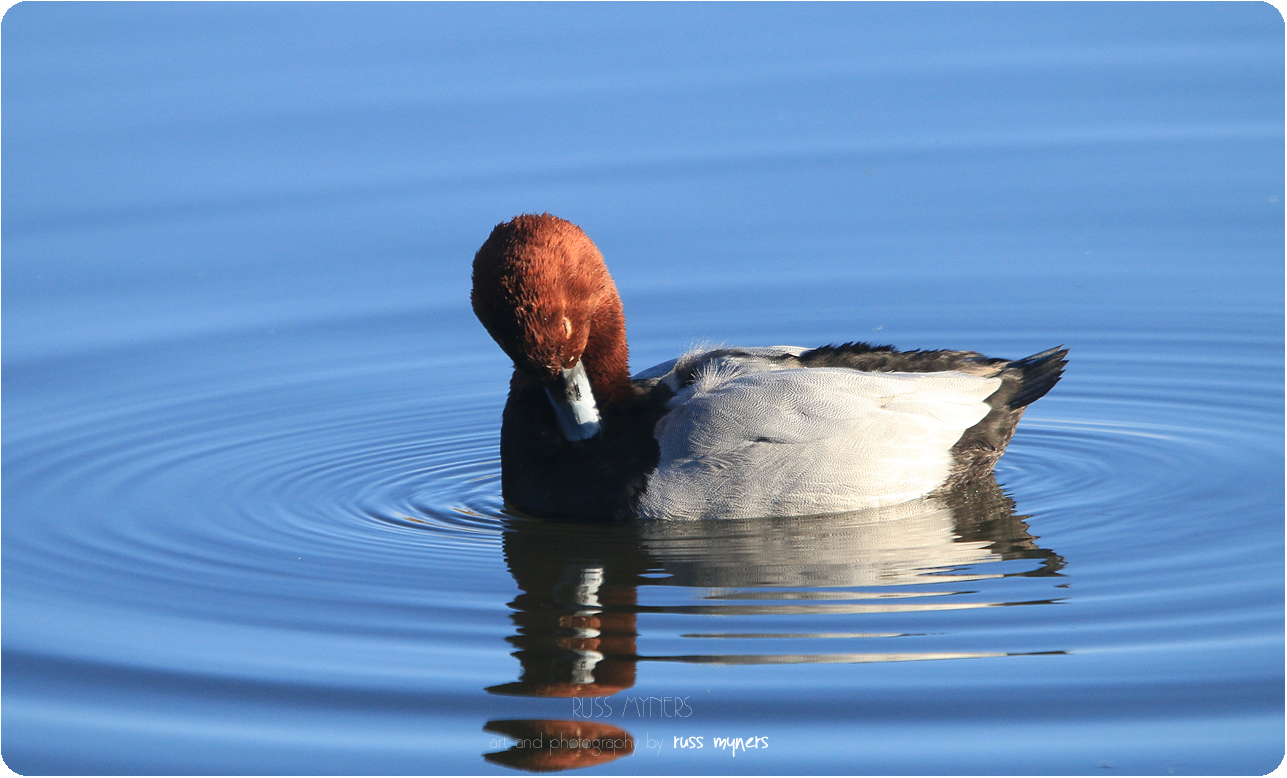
x: 925, y: 541
x: 547, y: 745
x: 575, y: 616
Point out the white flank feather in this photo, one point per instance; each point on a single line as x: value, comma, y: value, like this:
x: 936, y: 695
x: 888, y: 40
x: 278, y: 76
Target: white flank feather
x: 748, y: 438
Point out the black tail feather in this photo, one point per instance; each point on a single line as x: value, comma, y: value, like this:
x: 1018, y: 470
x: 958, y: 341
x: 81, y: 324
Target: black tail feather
x: 1040, y: 373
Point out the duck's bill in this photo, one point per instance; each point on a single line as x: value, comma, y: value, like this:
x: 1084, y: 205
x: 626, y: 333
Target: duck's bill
x: 574, y: 405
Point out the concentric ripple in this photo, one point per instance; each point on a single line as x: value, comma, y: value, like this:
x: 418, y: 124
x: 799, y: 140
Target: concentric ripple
x: 358, y: 497
x: 323, y: 483
x: 346, y: 484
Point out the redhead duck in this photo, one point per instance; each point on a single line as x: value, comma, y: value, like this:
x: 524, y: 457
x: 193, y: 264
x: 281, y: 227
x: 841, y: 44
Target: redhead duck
x: 725, y: 432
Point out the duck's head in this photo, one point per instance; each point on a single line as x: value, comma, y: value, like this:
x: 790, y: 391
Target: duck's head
x: 543, y: 292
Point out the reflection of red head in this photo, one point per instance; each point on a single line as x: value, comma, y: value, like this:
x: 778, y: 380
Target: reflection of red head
x: 547, y: 745
x: 545, y: 676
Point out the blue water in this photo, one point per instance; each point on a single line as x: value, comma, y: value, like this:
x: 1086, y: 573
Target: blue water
x: 252, y: 515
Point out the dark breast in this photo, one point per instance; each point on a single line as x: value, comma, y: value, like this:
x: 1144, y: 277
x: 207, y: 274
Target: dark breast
x: 598, y: 479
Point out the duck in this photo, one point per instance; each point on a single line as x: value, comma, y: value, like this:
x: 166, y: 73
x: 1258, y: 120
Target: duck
x: 720, y: 432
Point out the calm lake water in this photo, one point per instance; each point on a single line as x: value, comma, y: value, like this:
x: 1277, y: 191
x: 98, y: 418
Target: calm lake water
x: 252, y: 513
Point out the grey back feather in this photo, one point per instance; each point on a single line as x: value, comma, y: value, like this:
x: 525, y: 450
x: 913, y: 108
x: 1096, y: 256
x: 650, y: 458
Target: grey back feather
x: 749, y: 435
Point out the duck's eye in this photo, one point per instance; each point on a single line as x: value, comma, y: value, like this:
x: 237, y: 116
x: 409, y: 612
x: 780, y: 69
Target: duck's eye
x: 567, y: 327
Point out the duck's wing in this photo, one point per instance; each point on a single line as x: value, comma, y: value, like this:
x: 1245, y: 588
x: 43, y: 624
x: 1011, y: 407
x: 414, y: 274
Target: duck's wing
x: 656, y: 371
x: 681, y: 370
x: 1023, y: 381
x: 747, y: 437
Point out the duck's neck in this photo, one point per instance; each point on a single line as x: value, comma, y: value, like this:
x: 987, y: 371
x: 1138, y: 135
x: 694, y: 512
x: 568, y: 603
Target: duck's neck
x: 606, y: 356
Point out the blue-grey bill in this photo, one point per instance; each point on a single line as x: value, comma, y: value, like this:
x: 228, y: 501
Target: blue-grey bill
x: 574, y: 405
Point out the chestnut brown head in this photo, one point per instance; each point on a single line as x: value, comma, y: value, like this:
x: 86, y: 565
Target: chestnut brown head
x: 538, y: 281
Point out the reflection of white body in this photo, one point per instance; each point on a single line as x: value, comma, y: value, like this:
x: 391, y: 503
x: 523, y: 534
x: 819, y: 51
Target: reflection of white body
x: 910, y: 543
x: 750, y: 437
x: 579, y: 589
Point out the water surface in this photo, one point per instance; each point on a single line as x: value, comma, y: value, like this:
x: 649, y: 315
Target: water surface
x: 253, y: 518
